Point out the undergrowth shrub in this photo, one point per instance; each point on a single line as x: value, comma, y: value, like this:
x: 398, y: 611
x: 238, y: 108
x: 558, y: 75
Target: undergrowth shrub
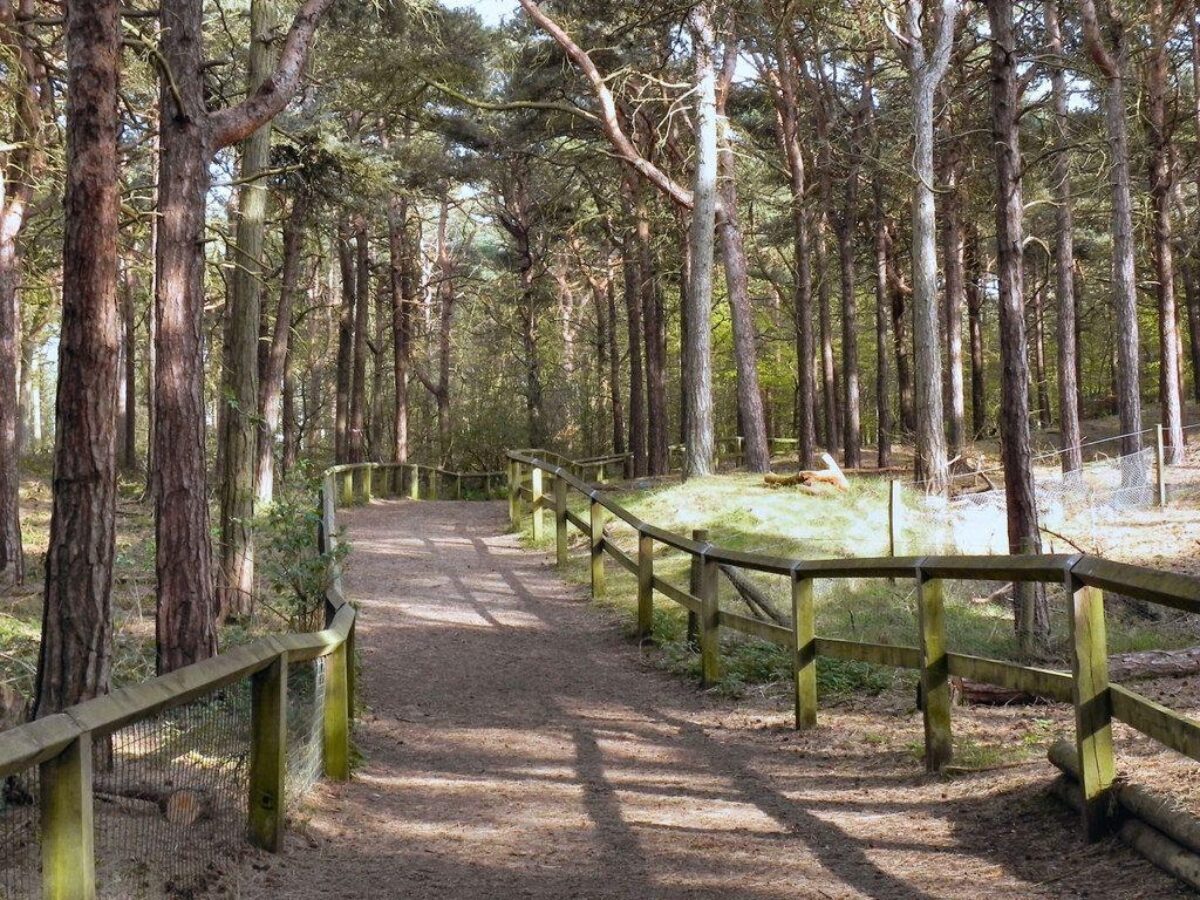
x: 294, y: 575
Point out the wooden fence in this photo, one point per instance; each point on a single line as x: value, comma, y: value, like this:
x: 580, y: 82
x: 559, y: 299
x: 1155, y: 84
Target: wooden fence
x: 62, y: 745
x: 1084, y: 578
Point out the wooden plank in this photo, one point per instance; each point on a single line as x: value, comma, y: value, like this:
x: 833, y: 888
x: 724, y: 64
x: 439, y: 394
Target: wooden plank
x: 896, y: 656
x: 710, y: 623
x: 1093, y: 707
x: 596, y: 540
x: 627, y: 562
x: 336, y: 724
x: 535, y: 495
x: 1165, y: 588
x: 1173, y: 729
x: 561, y: 547
x: 645, y: 577
x: 578, y: 522
x: 1048, y: 567
x: 935, y: 671
x: 688, y: 601
x: 804, y: 648
x: 935, y: 675
x: 67, y: 823
x: 1037, y: 682
x: 34, y: 742
x: 759, y: 628
x: 268, y: 755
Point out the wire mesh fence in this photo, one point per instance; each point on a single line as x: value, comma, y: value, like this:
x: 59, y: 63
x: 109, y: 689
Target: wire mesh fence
x: 1075, y: 505
x: 170, y: 797
x: 305, y: 717
x: 20, y: 851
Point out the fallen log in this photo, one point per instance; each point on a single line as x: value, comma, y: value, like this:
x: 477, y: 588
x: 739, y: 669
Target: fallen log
x: 831, y: 475
x: 751, y: 594
x: 1154, y: 664
x: 180, y: 806
x: 1151, y: 824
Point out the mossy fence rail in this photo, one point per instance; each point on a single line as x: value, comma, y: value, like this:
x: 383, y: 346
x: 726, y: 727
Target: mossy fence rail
x: 1085, y: 579
x: 67, y: 757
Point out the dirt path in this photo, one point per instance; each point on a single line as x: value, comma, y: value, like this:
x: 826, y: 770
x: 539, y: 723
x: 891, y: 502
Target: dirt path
x: 517, y: 746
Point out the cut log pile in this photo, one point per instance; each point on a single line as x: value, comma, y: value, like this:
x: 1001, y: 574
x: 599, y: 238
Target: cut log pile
x: 1151, y: 824
x: 178, y: 805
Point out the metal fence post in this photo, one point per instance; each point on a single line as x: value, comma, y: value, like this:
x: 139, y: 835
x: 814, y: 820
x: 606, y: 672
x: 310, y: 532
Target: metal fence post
x: 268, y: 754
x: 68, y: 827
x: 935, y: 672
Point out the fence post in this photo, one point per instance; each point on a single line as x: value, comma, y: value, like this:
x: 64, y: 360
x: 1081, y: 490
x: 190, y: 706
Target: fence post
x: 645, y: 596
x: 1093, y: 707
x: 935, y: 672
x: 347, y: 488
x: 322, y: 540
x: 560, y: 519
x: 435, y: 478
x: 596, y: 520
x: 1160, y: 465
x: 368, y: 477
x: 514, y: 494
x: 268, y: 754
x: 458, y: 486
x: 336, y: 726
x: 68, y: 827
x: 535, y: 485
x: 805, y: 659
x: 894, y: 510
x: 695, y: 575
x: 710, y: 647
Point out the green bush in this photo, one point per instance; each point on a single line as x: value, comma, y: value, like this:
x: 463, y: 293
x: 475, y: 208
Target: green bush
x: 294, y: 575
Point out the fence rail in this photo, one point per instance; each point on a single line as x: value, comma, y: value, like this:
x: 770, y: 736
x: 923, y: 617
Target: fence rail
x: 68, y: 757
x: 1084, y: 578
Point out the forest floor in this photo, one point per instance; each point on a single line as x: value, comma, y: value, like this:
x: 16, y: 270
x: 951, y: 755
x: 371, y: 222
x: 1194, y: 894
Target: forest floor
x: 516, y: 743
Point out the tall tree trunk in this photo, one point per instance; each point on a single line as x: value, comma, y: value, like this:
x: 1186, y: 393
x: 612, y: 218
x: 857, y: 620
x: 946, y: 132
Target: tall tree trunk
x: 1064, y: 252
x: 1110, y: 57
x: 975, y: 301
x: 345, y: 355
x: 185, y: 625
x: 614, y: 366
x: 403, y: 299
x: 901, y: 293
x: 701, y: 443
x: 752, y: 418
x: 270, y: 400
x: 1032, y: 618
x: 657, y: 430
x: 927, y: 73
x: 1041, y: 380
x: 240, y: 388
x: 356, y: 436
x: 831, y: 433
x: 22, y: 165
x: 129, y: 419
x: 847, y: 229
x: 75, y: 658
x: 883, y: 378
x: 1161, y: 186
x: 952, y: 254
x: 637, y: 390
x: 1192, y: 296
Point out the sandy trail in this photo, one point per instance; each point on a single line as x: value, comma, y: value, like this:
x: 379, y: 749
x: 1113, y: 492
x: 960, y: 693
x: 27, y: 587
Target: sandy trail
x: 517, y: 746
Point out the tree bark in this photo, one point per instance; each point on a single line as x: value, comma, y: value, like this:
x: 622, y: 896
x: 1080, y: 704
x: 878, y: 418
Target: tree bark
x: 1064, y: 251
x: 271, y: 388
x: 345, y: 355
x: 403, y: 299
x: 1109, y: 56
x: 240, y: 383
x: 901, y: 293
x: 1032, y: 619
x: 701, y: 446
x: 129, y: 358
x: 356, y: 436
x: 927, y: 71
x: 75, y: 658
x: 657, y: 429
x: 975, y: 301
x: 952, y: 255
x: 189, y: 136
x: 757, y: 454
x: 1162, y: 181
x: 637, y: 390
x: 614, y: 366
